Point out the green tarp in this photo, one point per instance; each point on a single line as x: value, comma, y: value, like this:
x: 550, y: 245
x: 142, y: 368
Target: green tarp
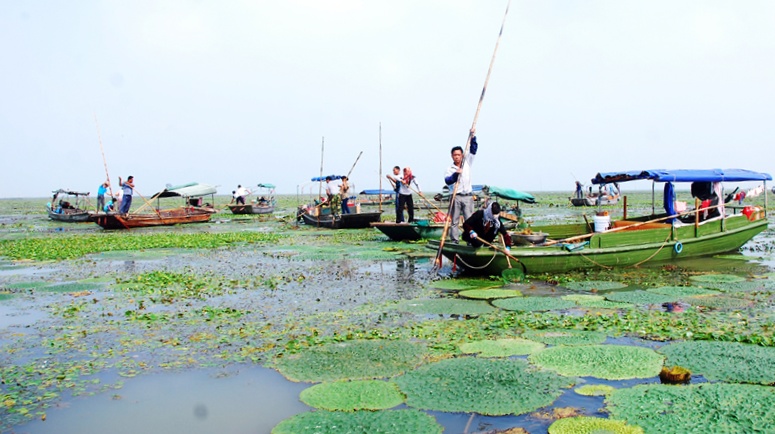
x: 508, y: 194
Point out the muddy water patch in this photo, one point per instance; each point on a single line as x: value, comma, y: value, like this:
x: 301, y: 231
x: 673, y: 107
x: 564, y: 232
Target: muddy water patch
x: 240, y: 399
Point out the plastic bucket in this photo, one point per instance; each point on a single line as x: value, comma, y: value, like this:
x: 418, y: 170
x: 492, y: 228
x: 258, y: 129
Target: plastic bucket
x: 602, y: 222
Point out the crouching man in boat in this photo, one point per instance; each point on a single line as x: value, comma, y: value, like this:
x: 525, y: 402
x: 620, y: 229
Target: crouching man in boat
x: 483, y: 226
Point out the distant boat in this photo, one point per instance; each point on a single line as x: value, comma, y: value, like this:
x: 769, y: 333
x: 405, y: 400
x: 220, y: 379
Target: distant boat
x: 193, y: 212
x: 69, y: 206
x: 376, y: 197
x: 598, y: 199
x: 264, y: 204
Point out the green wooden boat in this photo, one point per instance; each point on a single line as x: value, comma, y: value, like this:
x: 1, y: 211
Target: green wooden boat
x: 632, y: 241
x: 418, y: 230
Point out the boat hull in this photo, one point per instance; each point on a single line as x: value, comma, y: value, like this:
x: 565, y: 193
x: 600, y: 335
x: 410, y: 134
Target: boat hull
x: 251, y: 209
x: 342, y: 221
x: 76, y: 216
x: 410, y: 231
x: 613, y: 248
x: 593, y: 201
x: 166, y: 217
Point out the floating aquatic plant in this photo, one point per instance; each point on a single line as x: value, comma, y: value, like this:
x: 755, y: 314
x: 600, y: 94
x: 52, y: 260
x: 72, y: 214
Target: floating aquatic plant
x: 490, y: 294
x: 501, y: 347
x: 611, y: 362
x: 335, y: 422
x: 71, y: 287
x: 718, y: 302
x: 641, y: 297
x: 534, y: 303
x: 353, y: 395
x: 445, y: 306
x: 725, y: 361
x: 484, y: 386
x: 592, y: 425
x: 681, y: 291
x: 351, y: 360
x: 702, y: 408
x: 744, y: 285
x: 463, y: 284
x: 716, y: 278
x: 596, y: 301
x: 565, y: 337
x: 594, y: 285
x: 594, y: 390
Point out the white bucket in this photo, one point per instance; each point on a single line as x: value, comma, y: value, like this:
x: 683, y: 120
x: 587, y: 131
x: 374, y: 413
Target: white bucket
x: 602, y: 222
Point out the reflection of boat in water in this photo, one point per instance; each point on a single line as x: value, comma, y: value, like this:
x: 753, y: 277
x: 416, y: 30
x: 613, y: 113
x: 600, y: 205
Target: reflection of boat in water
x: 69, y: 206
x: 264, y: 204
x: 193, y: 212
x: 632, y: 241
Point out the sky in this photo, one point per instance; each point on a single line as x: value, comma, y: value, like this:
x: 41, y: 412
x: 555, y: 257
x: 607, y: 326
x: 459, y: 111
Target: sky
x: 244, y: 92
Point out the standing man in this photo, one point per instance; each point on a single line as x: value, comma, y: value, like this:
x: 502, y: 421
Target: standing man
x: 127, y: 189
x: 101, y: 195
x: 405, y: 194
x: 397, y: 180
x: 460, y: 172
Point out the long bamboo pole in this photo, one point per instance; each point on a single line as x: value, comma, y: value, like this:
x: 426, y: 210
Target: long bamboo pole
x: 380, y: 167
x: 448, y: 220
x: 104, y: 161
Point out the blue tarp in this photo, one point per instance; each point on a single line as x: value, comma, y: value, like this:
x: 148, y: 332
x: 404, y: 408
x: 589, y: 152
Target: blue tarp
x: 377, y: 191
x: 323, y: 178
x: 683, y: 175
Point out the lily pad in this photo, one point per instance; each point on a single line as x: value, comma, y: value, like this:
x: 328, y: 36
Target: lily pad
x: 446, y: 306
x: 533, y: 304
x: 681, y: 291
x: 725, y: 361
x: 754, y: 285
x: 490, y: 294
x: 594, y: 285
x: 611, y: 362
x: 594, y: 390
x: 596, y: 301
x: 592, y: 425
x: 463, y: 284
x: 717, y: 278
x: 351, y: 360
x: 718, y: 302
x: 353, y: 395
x: 502, y: 347
x: 565, y: 337
x: 641, y: 297
x: 486, y: 386
x: 701, y: 408
x: 335, y: 422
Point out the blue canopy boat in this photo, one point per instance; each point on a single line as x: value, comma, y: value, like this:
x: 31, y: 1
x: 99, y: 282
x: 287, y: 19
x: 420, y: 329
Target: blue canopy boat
x: 670, y: 234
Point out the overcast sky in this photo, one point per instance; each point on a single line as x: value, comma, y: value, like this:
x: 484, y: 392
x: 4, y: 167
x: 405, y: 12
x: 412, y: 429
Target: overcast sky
x: 242, y: 92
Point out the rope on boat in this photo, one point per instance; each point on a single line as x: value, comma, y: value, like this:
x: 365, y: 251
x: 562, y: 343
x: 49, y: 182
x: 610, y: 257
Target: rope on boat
x: 494, y: 254
x: 658, y: 250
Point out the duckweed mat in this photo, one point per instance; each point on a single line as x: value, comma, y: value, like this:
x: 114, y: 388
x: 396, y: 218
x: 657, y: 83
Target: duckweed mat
x: 610, y: 362
x: 534, y: 304
x: 565, y: 337
x: 335, y: 422
x: 592, y: 425
x: 445, y: 306
x: 594, y: 285
x: 353, y: 395
x: 501, y: 347
x: 484, y: 386
x: 724, y: 361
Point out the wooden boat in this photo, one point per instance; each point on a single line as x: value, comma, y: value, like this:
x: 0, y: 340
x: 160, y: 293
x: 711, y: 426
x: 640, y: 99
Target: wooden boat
x: 341, y: 221
x: 264, y: 204
x: 164, y: 217
x: 69, y: 206
x: 417, y: 230
x: 376, y: 197
x: 193, y: 212
x: 630, y: 241
x: 603, y: 197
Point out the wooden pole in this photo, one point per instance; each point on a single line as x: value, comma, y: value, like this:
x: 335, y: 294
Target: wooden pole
x: 104, y: 161
x: 448, y: 220
x: 356, y: 162
x: 322, y: 151
x: 380, y: 167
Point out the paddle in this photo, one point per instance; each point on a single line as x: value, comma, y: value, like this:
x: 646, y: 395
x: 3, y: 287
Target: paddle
x: 502, y: 250
x: 448, y: 220
x: 621, y: 228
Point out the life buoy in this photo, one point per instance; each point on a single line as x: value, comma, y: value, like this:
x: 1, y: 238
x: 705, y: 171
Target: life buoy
x: 678, y: 247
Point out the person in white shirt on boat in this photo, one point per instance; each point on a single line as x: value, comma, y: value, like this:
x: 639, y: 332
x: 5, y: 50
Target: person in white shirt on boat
x: 460, y: 172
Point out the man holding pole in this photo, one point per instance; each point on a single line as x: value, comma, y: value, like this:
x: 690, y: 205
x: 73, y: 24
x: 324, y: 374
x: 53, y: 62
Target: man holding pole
x: 460, y: 172
x: 128, y: 189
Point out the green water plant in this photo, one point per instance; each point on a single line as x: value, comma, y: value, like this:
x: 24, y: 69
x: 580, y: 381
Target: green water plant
x: 705, y: 408
x: 596, y: 301
x: 681, y: 291
x: 594, y: 285
x: 335, y: 422
x: 445, y: 306
x: 565, y: 337
x: 594, y: 390
x: 353, y: 360
x: 484, y: 386
x: 718, y: 302
x: 534, y: 304
x: 611, y: 362
x: 592, y: 425
x: 724, y: 361
x: 716, y: 278
x: 641, y: 297
x: 490, y: 294
x: 501, y: 347
x: 462, y: 284
x: 353, y: 395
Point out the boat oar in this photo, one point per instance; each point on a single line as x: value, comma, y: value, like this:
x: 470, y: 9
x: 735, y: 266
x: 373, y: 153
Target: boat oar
x: 146, y: 203
x: 621, y: 228
x: 500, y: 249
x: 448, y: 221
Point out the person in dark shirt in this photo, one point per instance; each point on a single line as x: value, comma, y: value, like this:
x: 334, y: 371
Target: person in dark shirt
x: 484, y: 225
